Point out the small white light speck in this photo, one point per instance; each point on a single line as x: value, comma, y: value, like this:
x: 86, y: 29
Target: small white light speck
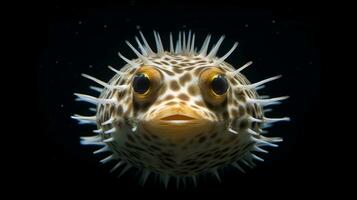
x: 90, y: 66
x: 273, y: 21
x: 56, y: 61
x: 61, y: 105
x: 105, y: 26
x: 138, y: 27
x: 80, y: 22
x: 246, y: 25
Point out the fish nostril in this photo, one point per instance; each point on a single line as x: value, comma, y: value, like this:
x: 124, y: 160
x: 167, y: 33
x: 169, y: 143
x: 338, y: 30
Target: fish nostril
x: 177, y: 117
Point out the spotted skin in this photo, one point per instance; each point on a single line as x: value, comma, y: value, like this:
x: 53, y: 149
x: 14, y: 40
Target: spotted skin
x: 202, y: 151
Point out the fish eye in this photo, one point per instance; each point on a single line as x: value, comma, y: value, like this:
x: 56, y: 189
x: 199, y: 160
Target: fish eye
x: 141, y: 83
x: 219, y: 84
x: 214, y: 86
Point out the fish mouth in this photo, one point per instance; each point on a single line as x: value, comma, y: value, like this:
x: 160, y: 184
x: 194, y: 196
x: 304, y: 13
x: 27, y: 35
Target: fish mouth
x: 175, y: 122
x: 176, y: 115
x: 177, y: 119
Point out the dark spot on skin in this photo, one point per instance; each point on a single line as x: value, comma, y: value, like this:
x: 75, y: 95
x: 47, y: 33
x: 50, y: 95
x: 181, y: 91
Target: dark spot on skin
x: 235, y: 113
x: 244, y: 124
x: 168, y: 97
x: 167, y: 72
x: 191, y: 163
x: 196, y: 107
x: 120, y: 110
x: 233, y: 81
x: 183, y: 97
x: 165, y: 63
x: 214, y: 135
x: 146, y: 137
x: 240, y: 95
x: 228, y: 140
x: 201, y: 62
x: 218, y: 164
x: 200, y: 103
x: 241, y: 110
x: 132, y: 70
x: 246, y: 147
x: 174, y: 85
x: 250, y: 109
x: 200, y: 154
x: 218, y: 106
x: 157, y: 103
x: 235, y: 103
x: 188, y: 68
x: 207, y: 155
x: 216, y: 155
x: 173, y: 62
x: 166, y: 164
x: 131, y: 139
x: 142, y: 106
x: 212, y: 115
x: 225, y: 115
x: 225, y: 150
x: 170, y: 103
x: 121, y: 94
x: 185, y: 78
x: 153, y: 110
x: 194, y: 168
x: 111, y: 110
x: 121, y: 82
x: 166, y: 154
x: 253, y: 125
x: 202, y: 139
x: 233, y: 153
x: 197, y: 71
x: 134, y: 147
x: 177, y: 70
x: 183, y: 102
x: 155, y: 148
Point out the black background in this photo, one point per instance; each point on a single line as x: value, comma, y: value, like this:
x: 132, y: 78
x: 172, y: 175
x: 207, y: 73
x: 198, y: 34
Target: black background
x: 73, y: 39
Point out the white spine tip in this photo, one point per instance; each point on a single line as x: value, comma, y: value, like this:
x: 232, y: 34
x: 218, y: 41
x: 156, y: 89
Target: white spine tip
x: 108, y: 140
x: 232, y: 131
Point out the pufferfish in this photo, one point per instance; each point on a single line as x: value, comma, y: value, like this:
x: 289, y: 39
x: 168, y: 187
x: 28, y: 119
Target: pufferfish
x: 180, y: 113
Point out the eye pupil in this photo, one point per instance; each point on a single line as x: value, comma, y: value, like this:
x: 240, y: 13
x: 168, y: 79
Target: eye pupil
x: 141, y: 83
x: 219, y: 85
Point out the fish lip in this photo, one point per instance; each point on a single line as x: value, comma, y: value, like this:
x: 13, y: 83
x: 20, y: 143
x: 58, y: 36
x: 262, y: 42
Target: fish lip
x: 177, y: 118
